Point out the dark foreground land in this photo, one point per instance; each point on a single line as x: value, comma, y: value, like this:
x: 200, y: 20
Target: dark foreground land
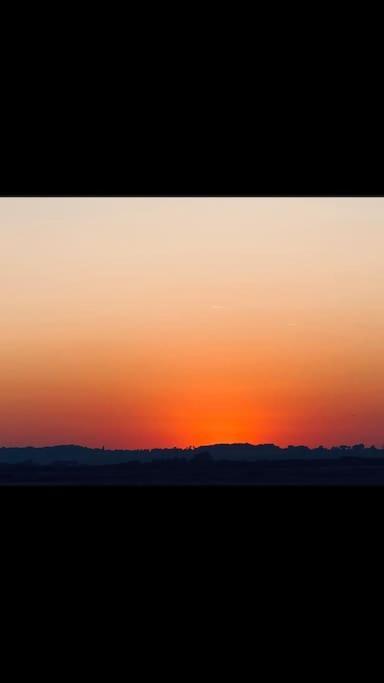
x: 217, y: 464
x: 345, y: 472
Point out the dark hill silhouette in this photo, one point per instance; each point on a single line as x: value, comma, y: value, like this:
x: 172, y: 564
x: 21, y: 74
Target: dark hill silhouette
x: 245, y: 464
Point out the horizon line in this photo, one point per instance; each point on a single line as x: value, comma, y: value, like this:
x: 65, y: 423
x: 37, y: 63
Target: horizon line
x: 191, y: 447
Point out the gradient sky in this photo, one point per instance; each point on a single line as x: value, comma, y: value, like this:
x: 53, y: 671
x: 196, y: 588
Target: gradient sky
x: 162, y: 322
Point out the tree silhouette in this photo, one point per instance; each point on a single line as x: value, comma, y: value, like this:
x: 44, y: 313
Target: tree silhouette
x: 202, y: 458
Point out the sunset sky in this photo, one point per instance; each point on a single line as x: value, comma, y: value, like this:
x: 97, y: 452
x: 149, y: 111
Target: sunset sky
x: 139, y: 322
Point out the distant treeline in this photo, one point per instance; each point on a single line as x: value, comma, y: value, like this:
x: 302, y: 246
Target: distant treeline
x: 217, y: 452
